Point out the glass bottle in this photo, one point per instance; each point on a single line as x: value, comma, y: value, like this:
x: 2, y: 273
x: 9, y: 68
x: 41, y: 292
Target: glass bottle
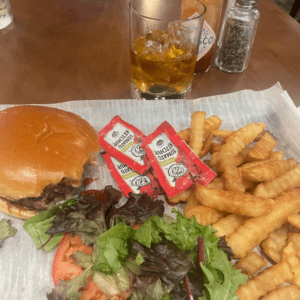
x: 208, y: 39
x: 238, y: 36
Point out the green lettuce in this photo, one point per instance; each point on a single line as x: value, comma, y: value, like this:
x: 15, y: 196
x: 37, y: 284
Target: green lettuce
x: 38, y: 225
x: 183, y: 232
x: 6, y: 230
x: 220, y: 279
x: 113, y: 248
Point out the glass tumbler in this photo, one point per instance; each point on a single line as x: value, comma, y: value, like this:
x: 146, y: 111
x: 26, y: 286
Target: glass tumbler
x: 164, y: 42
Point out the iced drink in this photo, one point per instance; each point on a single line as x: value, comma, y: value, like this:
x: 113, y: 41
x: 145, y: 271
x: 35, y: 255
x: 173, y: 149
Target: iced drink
x: 163, y: 48
x: 161, y: 66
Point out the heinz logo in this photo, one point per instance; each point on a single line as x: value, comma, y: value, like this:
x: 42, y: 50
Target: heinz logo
x: 177, y: 170
x: 160, y: 143
x: 137, y: 151
x: 141, y: 181
x: 115, y: 134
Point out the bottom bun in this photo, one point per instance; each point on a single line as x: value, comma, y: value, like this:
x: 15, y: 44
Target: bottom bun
x: 16, y: 211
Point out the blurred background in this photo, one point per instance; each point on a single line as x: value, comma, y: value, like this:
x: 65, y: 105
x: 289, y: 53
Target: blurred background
x: 287, y: 5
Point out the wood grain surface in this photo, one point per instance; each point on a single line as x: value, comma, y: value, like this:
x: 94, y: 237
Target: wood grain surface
x: 63, y: 50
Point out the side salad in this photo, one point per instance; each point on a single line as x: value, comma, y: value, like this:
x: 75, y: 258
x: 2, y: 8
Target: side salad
x: 134, y: 251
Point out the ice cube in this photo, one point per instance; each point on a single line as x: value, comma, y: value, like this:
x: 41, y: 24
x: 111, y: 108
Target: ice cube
x: 155, y: 45
x: 179, y: 33
x: 159, y: 36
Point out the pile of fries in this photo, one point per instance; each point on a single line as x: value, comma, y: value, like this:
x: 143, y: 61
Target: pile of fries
x: 254, y: 202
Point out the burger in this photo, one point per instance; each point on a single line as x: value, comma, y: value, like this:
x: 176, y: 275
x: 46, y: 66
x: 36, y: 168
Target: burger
x: 43, y: 151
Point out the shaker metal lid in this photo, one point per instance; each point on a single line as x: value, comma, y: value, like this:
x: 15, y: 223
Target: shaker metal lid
x: 247, y: 3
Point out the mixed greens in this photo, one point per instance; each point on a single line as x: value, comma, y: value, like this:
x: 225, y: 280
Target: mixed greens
x: 6, y: 230
x: 164, y: 258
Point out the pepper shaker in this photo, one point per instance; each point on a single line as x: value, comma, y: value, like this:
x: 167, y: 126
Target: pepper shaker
x: 238, y: 36
x: 229, y: 5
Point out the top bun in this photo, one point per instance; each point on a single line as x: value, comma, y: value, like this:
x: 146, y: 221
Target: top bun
x: 41, y: 146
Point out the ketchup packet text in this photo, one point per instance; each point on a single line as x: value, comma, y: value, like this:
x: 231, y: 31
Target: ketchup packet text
x: 175, y: 164
x: 129, y: 181
x: 122, y: 141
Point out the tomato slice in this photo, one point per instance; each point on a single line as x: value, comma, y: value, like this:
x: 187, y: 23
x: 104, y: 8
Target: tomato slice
x: 91, y: 291
x: 64, y: 267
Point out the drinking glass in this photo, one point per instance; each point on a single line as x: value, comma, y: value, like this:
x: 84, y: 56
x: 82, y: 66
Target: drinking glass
x: 164, y: 42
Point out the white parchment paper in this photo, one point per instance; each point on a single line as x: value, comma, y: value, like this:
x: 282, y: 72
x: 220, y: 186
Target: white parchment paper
x: 25, y: 273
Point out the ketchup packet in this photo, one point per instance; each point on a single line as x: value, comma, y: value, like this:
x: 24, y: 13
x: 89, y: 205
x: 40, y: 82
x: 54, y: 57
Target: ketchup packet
x: 122, y: 141
x: 130, y: 181
x: 175, y: 164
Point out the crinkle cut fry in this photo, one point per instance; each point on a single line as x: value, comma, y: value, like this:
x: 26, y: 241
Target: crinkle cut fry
x: 185, y: 134
x: 290, y: 292
x: 254, y: 163
x: 229, y: 224
x: 203, y: 215
x: 291, y: 255
x: 255, y: 230
x: 181, y: 197
x: 197, y: 132
x: 233, y: 202
x: 276, y: 155
x: 287, y: 271
x: 273, y: 188
x: 274, y: 244
x: 268, y: 171
x: 222, y: 133
x: 266, y: 281
x: 216, y: 183
x: 251, y: 264
x: 233, y: 179
x: 211, y: 123
x: 206, y: 144
x: 294, y: 220
x: 262, y: 148
x: 294, y: 237
x: 238, y: 141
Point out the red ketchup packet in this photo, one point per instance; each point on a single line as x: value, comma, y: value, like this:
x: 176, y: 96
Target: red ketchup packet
x: 130, y: 181
x: 175, y: 164
x: 122, y: 141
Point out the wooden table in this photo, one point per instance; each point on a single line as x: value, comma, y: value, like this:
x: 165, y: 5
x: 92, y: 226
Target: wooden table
x: 62, y: 50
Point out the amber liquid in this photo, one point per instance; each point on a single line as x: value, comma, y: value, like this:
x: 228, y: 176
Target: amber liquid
x: 159, y: 68
x: 203, y: 64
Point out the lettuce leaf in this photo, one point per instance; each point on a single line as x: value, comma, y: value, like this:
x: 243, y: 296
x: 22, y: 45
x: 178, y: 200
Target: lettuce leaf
x: 112, y: 285
x: 154, y: 291
x: 183, y: 232
x: 114, y: 247
x: 84, y: 215
x: 38, y: 225
x: 137, y: 209
x: 6, y: 230
x: 222, y: 280
x: 164, y: 261
x: 70, y: 290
